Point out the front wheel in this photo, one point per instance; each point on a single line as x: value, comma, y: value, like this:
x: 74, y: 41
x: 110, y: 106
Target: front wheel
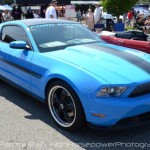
x: 65, y: 106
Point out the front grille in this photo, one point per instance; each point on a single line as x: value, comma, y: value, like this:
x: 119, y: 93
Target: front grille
x: 140, y: 90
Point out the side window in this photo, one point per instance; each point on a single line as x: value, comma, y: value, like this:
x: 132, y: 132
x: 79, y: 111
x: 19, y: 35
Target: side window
x: 13, y: 33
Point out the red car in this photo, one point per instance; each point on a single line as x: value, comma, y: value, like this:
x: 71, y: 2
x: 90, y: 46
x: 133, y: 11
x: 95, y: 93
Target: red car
x: 134, y: 42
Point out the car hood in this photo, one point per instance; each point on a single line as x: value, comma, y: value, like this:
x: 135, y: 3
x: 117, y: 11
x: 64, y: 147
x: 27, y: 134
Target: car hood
x: 113, y: 63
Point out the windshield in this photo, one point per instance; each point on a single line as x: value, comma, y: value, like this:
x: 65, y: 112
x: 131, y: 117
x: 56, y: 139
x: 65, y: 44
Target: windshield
x: 50, y: 37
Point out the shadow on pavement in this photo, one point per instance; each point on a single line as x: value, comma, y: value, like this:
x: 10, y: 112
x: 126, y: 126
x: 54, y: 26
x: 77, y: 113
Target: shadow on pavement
x: 86, y: 138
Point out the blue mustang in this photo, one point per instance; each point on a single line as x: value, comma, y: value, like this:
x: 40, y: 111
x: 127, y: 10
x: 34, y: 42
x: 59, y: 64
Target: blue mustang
x: 80, y: 77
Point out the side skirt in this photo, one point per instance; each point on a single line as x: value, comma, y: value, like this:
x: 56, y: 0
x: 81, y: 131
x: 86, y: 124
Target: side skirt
x: 22, y: 89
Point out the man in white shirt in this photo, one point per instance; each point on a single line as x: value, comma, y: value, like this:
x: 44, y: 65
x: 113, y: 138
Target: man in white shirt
x: 97, y: 14
x: 51, y: 11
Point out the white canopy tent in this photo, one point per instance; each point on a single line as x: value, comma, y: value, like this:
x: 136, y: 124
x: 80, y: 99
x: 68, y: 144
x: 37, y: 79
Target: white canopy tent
x: 4, y: 7
x: 85, y: 2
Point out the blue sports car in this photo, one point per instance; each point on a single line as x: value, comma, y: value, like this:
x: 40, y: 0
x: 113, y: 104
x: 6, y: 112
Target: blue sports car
x: 82, y: 79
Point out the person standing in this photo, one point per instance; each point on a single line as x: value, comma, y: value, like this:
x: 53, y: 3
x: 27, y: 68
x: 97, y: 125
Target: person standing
x: 29, y: 14
x: 79, y: 16
x: 124, y: 18
x: 43, y: 10
x: 90, y: 19
x: 97, y: 14
x: 35, y: 14
x: 130, y: 18
x: 17, y: 12
x: 6, y: 16
x: 51, y: 11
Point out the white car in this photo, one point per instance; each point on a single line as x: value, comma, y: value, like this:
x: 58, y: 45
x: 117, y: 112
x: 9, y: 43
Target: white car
x: 107, y: 16
x: 110, y: 16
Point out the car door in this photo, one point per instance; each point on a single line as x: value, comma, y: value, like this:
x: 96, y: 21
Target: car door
x: 15, y: 63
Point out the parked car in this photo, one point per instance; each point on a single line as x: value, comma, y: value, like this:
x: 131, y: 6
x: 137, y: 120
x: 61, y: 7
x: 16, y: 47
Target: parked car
x: 108, y: 22
x: 132, y: 34
x: 132, y: 39
x: 82, y: 79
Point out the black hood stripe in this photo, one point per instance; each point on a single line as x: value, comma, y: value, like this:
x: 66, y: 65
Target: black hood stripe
x: 135, y: 60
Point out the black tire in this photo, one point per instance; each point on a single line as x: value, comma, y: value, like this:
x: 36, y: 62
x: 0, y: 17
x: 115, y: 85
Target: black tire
x: 65, y: 106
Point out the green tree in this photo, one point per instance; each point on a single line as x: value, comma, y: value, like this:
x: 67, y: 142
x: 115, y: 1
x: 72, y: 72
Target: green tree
x: 7, y: 2
x: 144, y: 1
x: 118, y: 7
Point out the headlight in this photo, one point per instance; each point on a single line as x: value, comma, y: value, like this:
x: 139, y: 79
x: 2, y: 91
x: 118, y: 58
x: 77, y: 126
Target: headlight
x: 111, y: 91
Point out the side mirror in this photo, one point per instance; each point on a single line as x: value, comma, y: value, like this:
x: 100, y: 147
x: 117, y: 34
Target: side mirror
x: 19, y: 45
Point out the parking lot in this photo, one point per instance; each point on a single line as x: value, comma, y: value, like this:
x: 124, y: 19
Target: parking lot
x: 26, y: 124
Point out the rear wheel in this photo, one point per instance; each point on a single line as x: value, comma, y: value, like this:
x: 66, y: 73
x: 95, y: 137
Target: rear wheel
x: 65, y: 106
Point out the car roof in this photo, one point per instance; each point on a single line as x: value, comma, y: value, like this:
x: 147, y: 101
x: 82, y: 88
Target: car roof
x: 30, y: 22
x: 107, y: 16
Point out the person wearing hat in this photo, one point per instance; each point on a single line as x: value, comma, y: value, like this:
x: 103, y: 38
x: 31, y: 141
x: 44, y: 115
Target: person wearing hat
x: 51, y: 11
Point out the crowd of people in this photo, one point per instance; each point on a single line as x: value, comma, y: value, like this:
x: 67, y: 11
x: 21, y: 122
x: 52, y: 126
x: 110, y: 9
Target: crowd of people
x: 142, y: 22
x: 137, y: 20
x: 133, y: 19
x: 50, y: 12
x: 91, y: 18
x: 17, y: 14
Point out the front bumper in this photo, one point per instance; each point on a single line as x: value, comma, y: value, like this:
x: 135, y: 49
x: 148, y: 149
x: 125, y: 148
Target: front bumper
x: 114, y: 111
x: 127, y: 123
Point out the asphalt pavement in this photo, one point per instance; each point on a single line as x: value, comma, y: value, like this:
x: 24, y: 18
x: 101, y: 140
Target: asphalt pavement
x: 25, y: 124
